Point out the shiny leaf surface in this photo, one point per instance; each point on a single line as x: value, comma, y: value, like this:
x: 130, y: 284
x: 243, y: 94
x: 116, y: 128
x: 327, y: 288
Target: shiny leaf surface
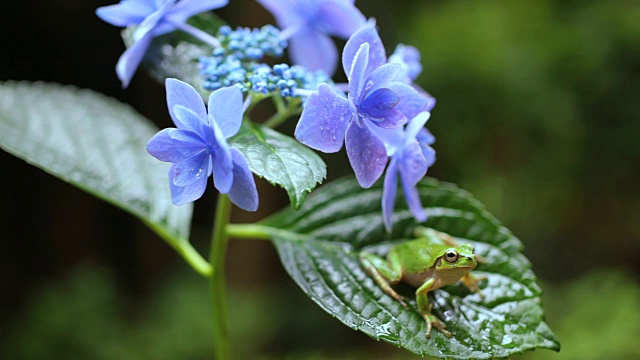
x: 319, y: 247
x: 95, y: 143
x: 280, y: 160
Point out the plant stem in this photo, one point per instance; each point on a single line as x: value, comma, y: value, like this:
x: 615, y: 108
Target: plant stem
x: 283, y: 112
x: 219, y: 241
x: 184, y: 249
x: 248, y: 231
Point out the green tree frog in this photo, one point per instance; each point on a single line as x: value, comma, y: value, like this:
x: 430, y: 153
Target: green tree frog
x: 429, y: 262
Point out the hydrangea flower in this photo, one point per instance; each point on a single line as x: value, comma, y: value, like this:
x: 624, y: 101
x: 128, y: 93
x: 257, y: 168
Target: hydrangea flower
x: 409, y: 58
x: 155, y: 18
x: 378, y: 98
x: 411, y: 155
x: 198, y: 146
x: 307, y: 25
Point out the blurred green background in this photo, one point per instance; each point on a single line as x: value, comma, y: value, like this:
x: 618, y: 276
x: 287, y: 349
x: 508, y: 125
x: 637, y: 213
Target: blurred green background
x: 538, y: 116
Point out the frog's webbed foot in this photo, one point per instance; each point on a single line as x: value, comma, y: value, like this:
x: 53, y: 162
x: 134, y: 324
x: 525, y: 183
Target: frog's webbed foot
x: 471, y: 283
x: 433, y: 322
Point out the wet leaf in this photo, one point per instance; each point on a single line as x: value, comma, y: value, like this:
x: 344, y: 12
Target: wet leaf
x: 319, y: 247
x: 280, y: 160
x: 97, y: 144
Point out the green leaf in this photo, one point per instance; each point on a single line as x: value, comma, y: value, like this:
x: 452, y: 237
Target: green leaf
x: 280, y: 160
x: 97, y: 144
x: 176, y: 54
x: 319, y: 247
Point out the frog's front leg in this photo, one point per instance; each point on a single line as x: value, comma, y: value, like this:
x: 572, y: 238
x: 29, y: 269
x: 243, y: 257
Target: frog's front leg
x: 471, y: 282
x: 384, y: 273
x: 425, y: 309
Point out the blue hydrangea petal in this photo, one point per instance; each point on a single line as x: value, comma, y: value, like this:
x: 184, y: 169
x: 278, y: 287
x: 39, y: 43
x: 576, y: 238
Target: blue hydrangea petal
x: 149, y: 24
x: 132, y: 57
x: 181, y: 93
x: 393, y: 139
x: 382, y: 77
x: 366, y: 153
x: 412, y: 197
x: 125, y: 13
x: 181, y: 195
x: 174, y: 145
x: 429, y: 153
x: 313, y: 50
x: 189, y: 120
x: 425, y: 136
x: 377, y: 55
x: 416, y: 124
x: 284, y: 11
x: 222, y: 161
x: 184, y: 9
x: 243, y: 193
x: 379, y: 104
x: 389, y: 191
x: 356, y: 74
x: 409, y: 57
x: 411, y: 101
x: 324, y: 120
x: 340, y: 18
x: 192, y: 169
x: 225, y: 106
x: 412, y: 168
x: 412, y: 164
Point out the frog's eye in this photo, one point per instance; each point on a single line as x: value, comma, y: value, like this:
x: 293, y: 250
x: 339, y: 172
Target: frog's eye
x: 451, y: 256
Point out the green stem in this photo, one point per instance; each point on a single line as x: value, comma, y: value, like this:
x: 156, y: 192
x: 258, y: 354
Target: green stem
x: 248, y: 231
x: 219, y: 241
x: 184, y: 249
x: 283, y: 112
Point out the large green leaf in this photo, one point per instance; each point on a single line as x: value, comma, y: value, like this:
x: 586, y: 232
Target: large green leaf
x: 97, y: 144
x: 280, y: 160
x: 319, y: 247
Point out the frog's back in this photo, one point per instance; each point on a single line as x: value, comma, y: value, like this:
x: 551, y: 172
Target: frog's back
x: 418, y: 255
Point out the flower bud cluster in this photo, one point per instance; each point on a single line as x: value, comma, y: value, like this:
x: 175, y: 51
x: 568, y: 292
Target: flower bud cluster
x: 236, y: 63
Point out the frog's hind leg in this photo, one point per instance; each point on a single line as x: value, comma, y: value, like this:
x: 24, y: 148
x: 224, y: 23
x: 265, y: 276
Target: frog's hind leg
x: 385, y: 273
x: 425, y: 309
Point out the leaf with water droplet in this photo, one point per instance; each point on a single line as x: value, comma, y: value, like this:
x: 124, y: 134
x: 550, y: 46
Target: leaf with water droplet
x: 281, y: 160
x: 319, y: 247
x: 97, y: 144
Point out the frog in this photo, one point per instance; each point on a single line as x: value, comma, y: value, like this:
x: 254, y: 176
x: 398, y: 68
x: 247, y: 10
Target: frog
x: 430, y: 261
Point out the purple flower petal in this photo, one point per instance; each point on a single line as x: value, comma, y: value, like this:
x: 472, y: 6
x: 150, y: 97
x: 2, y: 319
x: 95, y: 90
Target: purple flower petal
x: 382, y: 77
x: 425, y: 136
x: 412, y: 164
x: 416, y: 124
x: 222, y: 161
x: 377, y: 55
x: 314, y: 50
x: 379, y: 104
x: 357, y: 72
x: 429, y: 154
x: 225, y: 106
x: 324, y: 120
x: 340, y: 18
x: 190, y: 170
x: 130, y: 60
x: 181, y: 93
x: 366, y: 153
x: 125, y: 13
x: 181, y: 195
x: 284, y: 11
x: 243, y: 193
x: 184, y: 9
x: 190, y: 121
x: 174, y: 145
x: 389, y: 191
x: 411, y: 101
